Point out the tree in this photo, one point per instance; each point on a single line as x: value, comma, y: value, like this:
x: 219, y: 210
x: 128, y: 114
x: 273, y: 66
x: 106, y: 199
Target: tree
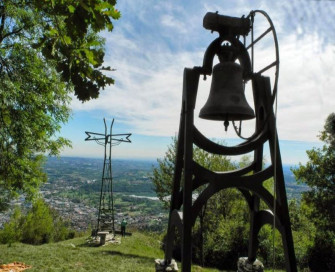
x: 11, y: 231
x: 48, y: 49
x: 220, y: 234
x: 319, y: 175
x: 39, y: 225
x: 65, y: 33
x: 162, y: 175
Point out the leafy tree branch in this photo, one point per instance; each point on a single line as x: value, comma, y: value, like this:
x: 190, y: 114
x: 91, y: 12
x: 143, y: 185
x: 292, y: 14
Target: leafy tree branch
x: 48, y: 50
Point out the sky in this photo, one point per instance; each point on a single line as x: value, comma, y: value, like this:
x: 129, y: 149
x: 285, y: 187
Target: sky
x: 155, y: 40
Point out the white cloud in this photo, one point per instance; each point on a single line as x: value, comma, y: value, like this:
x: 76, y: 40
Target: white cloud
x: 174, y: 23
x: 151, y: 50
x: 147, y: 99
x: 306, y: 87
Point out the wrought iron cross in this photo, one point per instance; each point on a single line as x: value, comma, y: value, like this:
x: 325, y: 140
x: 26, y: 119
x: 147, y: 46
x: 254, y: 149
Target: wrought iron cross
x: 106, y: 205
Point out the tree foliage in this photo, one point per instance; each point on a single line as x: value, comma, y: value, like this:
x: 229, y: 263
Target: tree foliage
x: 48, y: 48
x: 65, y: 33
x: 221, y: 231
x: 162, y: 176
x: 39, y: 225
x: 319, y: 175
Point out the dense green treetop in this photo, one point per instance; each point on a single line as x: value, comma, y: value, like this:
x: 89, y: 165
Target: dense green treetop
x: 223, y: 218
x: 65, y: 32
x: 162, y: 175
x: 319, y: 175
x: 48, y: 49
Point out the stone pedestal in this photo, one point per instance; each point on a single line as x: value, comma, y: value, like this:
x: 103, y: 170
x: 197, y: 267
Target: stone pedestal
x: 102, y: 235
x: 161, y: 265
x: 243, y: 265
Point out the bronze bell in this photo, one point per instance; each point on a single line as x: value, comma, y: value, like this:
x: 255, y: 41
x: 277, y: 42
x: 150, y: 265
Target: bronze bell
x: 226, y: 101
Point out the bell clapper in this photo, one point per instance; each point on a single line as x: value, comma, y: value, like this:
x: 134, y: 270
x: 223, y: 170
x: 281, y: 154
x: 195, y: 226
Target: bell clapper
x: 226, y: 124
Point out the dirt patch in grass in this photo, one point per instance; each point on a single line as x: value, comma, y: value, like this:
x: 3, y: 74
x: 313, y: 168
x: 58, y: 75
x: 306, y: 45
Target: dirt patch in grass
x: 14, y: 267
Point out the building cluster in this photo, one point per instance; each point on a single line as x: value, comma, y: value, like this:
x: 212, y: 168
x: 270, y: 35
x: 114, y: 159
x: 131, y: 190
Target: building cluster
x: 83, y: 217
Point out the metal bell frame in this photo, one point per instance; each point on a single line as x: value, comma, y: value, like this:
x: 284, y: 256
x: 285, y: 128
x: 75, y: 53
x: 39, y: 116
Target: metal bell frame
x: 248, y: 180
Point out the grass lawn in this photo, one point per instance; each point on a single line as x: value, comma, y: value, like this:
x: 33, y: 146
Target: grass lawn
x: 135, y: 253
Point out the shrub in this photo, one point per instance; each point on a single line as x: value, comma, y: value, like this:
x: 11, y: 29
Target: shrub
x: 321, y: 256
x: 11, y: 231
x: 40, y: 225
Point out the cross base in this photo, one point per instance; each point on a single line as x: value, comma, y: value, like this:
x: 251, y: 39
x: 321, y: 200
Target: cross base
x: 162, y: 265
x: 244, y: 265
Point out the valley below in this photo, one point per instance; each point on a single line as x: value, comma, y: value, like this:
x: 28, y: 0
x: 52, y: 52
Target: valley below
x: 74, y: 185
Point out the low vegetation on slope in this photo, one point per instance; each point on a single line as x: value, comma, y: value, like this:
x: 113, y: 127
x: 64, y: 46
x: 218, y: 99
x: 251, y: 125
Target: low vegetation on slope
x: 135, y: 253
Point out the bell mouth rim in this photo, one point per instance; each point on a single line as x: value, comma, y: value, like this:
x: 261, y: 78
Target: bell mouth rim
x: 220, y: 118
x: 230, y: 116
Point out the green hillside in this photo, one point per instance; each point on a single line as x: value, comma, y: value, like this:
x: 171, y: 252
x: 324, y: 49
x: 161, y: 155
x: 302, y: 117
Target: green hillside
x: 135, y: 253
